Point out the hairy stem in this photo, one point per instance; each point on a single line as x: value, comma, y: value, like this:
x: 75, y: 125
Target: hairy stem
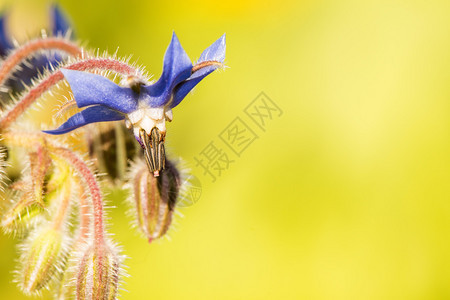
x: 33, y: 94
x: 28, y: 49
x: 94, y: 189
x: 84, y: 213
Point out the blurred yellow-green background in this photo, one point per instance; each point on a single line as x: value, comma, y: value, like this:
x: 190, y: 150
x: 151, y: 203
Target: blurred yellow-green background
x: 346, y: 195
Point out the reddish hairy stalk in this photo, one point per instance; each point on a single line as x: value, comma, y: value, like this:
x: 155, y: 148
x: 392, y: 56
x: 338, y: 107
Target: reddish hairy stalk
x: 57, y: 76
x: 84, y: 213
x: 97, y: 204
x: 89, y: 178
x: 29, y: 98
x: 26, y: 50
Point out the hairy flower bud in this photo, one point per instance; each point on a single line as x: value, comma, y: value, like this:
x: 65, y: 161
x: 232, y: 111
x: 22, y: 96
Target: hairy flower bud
x: 26, y: 208
x: 155, y: 198
x: 21, y: 214
x: 97, y: 275
x: 41, y: 258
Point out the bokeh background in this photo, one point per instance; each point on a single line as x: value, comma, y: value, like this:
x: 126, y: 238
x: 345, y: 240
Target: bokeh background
x: 346, y: 195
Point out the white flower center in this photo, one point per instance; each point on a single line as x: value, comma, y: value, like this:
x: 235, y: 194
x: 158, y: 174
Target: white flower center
x: 149, y: 117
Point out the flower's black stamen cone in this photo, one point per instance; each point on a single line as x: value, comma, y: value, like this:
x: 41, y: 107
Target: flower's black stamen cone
x: 154, y: 151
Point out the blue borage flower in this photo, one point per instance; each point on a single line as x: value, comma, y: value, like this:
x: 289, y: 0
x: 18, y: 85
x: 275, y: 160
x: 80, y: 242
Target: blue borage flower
x: 59, y: 27
x: 145, y: 108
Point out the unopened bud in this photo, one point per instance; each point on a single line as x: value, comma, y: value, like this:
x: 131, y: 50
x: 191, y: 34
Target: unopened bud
x: 22, y: 213
x: 40, y: 260
x: 155, y: 198
x: 25, y: 210
x: 98, y: 273
x: 39, y: 164
x: 33, y: 194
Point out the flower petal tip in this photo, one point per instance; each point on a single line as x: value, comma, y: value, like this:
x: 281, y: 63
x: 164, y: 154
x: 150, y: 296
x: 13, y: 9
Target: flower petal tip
x: 61, y: 25
x: 5, y: 41
x: 215, y: 52
x: 176, y: 68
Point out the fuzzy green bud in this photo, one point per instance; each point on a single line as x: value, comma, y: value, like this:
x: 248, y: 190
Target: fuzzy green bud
x: 21, y: 214
x: 42, y: 254
x: 39, y: 164
x: 98, y: 273
x: 155, y: 199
